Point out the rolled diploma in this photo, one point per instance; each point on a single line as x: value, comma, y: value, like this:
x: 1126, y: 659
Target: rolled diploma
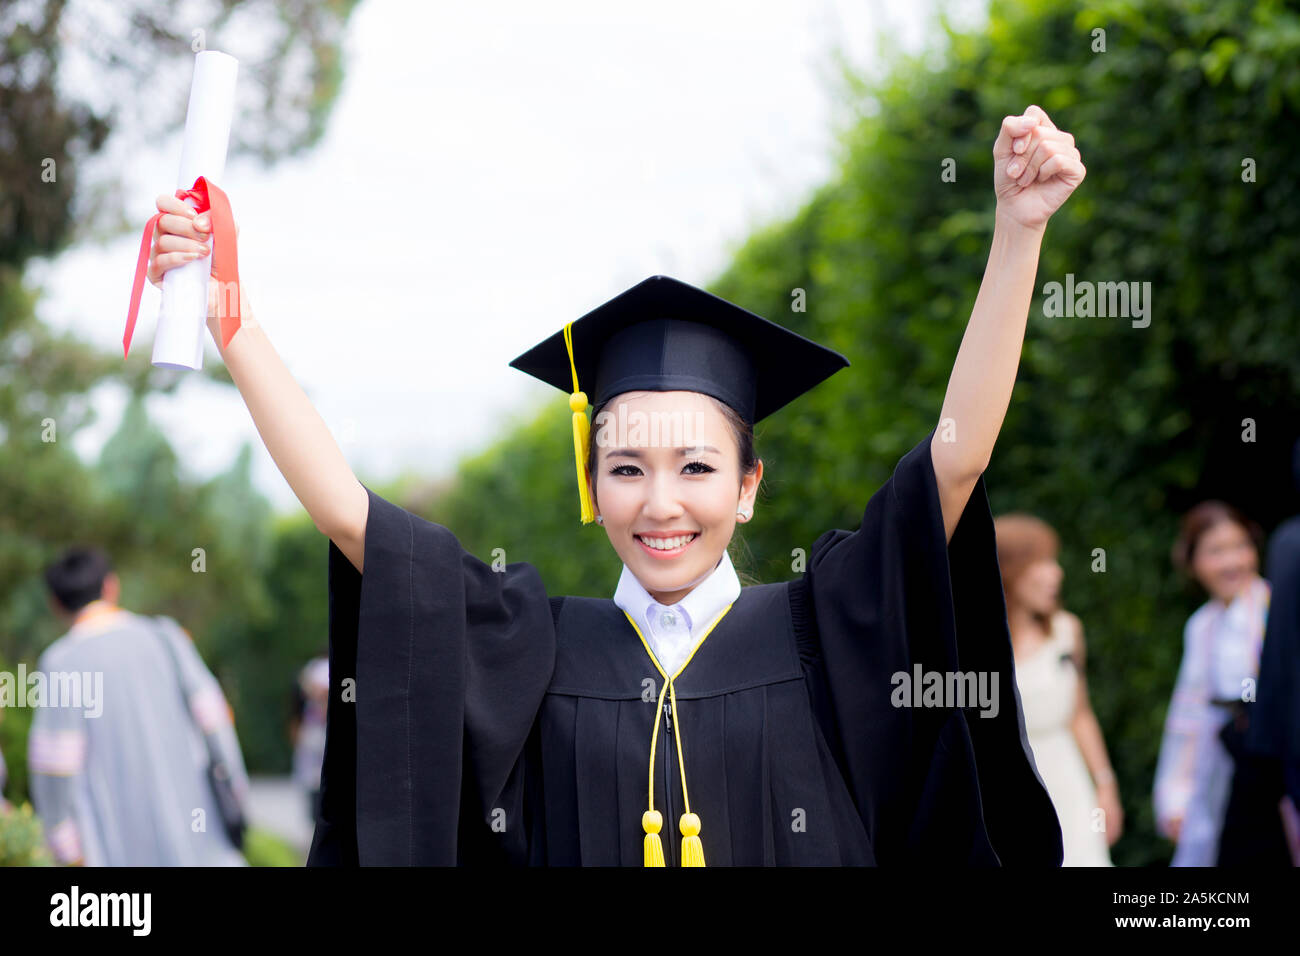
x: 182, y: 315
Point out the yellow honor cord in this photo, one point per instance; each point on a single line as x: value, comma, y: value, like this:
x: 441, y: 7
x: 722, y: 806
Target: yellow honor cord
x: 581, y: 432
x: 692, y: 848
x: 652, y: 819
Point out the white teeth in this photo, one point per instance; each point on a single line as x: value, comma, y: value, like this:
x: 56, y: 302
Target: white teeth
x: 666, y: 544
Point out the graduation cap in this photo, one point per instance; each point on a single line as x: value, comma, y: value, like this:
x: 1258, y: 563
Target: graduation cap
x: 665, y: 335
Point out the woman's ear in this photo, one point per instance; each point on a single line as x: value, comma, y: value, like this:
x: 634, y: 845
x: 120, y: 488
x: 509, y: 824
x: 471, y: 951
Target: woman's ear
x: 749, y: 486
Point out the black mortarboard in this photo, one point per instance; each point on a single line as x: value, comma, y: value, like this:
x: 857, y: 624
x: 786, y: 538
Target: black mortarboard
x: 664, y: 335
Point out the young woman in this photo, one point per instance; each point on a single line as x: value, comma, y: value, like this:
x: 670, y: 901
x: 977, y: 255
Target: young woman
x: 474, y: 719
x: 1217, y: 547
x: 1047, y: 642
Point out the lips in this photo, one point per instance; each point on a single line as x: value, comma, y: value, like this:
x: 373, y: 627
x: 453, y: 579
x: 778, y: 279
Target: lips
x: 680, y: 543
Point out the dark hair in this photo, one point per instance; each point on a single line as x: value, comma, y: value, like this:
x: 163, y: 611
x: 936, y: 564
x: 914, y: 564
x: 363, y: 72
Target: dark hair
x: 1201, y: 519
x: 77, y: 577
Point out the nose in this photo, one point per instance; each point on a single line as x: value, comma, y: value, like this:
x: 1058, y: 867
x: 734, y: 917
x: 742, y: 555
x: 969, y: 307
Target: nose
x: 1235, y: 562
x: 661, y: 502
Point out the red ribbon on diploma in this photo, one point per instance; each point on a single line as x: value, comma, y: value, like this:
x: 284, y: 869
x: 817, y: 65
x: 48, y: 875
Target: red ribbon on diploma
x: 206, y: 197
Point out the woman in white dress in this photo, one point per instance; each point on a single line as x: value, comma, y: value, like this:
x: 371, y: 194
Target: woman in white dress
x: 1064, y: 735
x: 1219, y: 548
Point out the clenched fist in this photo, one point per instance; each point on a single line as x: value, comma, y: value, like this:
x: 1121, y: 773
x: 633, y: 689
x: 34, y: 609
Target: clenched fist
x: 180, y: 237
x: 1035, y: 167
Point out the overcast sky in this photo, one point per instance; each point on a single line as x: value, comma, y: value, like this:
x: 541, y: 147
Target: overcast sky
x: 490, y: 172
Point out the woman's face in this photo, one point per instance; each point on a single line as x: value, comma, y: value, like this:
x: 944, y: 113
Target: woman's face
x: 1038, y: 589
x: 667, y: 467
x: 1224, y: 560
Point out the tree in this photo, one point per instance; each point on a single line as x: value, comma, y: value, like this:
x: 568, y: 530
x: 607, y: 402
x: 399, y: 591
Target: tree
x: 57, y: 184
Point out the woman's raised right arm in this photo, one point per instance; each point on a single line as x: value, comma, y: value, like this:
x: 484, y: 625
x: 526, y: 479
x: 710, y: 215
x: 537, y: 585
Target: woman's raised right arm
x: 291, y: 428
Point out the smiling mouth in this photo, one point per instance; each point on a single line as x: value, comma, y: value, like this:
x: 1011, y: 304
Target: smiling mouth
x: 679, y: 544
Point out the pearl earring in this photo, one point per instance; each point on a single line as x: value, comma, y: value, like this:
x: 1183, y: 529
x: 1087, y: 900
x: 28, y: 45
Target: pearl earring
x: 600, y: 519
x: 743, y: 514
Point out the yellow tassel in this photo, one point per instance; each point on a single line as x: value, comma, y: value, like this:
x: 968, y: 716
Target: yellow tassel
x: 692, y: 848
x: 581, y: 437
x: 652, y: 822
x: 581, y: 431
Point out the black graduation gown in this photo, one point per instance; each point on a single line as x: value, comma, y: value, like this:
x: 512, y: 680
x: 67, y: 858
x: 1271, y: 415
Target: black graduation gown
x: 1275, y: 724
x: 1268, y: 762
x: 492, y: 724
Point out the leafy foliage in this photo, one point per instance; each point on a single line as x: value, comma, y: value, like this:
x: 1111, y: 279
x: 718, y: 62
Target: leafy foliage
x: 22, y: 840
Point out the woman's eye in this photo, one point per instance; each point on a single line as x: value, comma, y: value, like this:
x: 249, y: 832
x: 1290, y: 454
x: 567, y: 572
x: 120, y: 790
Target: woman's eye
x: 691, y: 468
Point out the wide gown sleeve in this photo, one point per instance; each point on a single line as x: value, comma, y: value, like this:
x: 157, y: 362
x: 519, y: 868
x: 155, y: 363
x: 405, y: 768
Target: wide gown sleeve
x: 1275, y: 720
x: 438, y: 666
x: 934, y: 784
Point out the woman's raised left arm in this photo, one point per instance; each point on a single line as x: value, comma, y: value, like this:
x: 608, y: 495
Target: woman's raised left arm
x: 1035, y: 168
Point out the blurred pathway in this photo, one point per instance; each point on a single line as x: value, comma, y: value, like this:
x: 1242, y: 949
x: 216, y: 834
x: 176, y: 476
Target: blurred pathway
x: 277, y: 804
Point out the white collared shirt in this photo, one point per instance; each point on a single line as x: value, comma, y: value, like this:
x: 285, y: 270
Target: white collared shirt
x: 673, y: 632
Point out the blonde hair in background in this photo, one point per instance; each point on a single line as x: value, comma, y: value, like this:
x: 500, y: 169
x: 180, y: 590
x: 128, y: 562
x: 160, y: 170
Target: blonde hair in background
x: 1023, y: 540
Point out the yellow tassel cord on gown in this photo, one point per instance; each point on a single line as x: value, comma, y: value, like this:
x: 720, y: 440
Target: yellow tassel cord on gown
x: 581, y: 432
x: 692, y: 848
x: 652, y: 819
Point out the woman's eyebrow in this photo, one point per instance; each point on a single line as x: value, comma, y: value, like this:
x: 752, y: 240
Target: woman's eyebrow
x: 682, y: 452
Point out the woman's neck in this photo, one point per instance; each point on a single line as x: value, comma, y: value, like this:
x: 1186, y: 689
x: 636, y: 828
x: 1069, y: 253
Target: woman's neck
x: 1226, y: 601
x: 669, y: 598
x: 1027, y: 628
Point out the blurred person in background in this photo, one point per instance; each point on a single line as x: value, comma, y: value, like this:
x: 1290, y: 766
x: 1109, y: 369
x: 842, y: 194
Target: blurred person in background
x: 311, y: 695
x: 1064, y: 734
x: 1217, y: 547
x: 127, y: 777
